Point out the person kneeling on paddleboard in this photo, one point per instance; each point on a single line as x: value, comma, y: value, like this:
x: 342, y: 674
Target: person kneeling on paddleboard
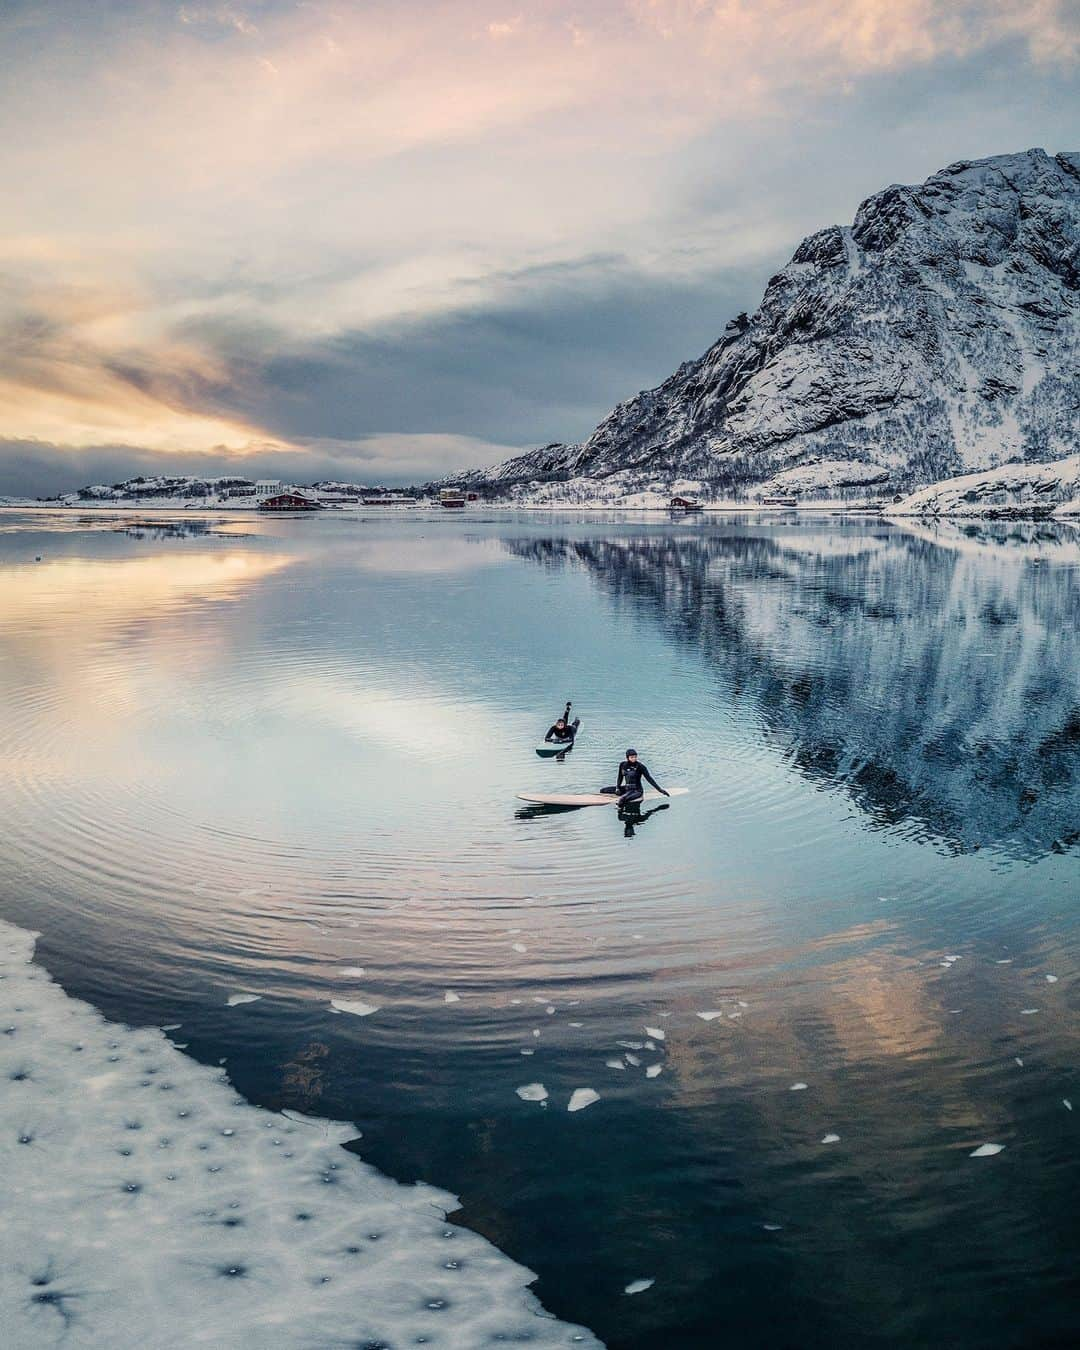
x: 563, y: 732
x: 628, y: 784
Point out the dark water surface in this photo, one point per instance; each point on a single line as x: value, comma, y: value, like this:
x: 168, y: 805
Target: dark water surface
x: 250, y: 757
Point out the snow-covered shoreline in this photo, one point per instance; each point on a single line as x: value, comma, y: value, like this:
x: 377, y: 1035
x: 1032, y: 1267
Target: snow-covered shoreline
x: 145, y: 1203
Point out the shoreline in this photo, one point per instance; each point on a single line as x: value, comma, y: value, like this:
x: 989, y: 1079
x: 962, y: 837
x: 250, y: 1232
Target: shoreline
x: 888, y: 514
x: 141, y: 1192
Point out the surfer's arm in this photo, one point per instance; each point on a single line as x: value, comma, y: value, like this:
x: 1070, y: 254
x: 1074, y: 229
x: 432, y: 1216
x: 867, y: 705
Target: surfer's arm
x: 650, y: 779
x: 619, y: 780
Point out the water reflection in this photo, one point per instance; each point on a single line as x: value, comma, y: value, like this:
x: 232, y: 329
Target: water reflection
x: 632, y: 817
x: 934, y: 676
x: 286, y: 766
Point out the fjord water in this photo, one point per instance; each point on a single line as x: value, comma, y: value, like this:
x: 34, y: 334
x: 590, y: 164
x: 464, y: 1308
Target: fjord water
x: 279, y: 758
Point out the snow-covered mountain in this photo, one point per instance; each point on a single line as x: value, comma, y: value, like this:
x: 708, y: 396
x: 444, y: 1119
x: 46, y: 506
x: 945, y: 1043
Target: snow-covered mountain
x: 937, y: 335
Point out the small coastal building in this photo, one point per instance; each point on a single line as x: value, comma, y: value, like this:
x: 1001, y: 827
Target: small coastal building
x: 268, y: 487
x: 451, y: 497
x: 685, y: 504
x: 289, y: 501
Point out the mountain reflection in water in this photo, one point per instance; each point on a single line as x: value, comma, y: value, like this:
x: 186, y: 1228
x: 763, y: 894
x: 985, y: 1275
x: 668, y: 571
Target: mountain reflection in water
x: 935, y: 678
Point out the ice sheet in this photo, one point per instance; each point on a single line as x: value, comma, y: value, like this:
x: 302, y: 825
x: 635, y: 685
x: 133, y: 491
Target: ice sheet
x: 145, y: 1203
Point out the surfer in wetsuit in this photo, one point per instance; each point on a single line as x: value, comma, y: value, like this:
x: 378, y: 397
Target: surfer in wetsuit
x: 628, y: 784
x: 563, y: 732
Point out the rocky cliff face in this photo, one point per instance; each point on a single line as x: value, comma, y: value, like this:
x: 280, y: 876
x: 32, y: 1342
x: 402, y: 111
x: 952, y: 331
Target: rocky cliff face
x: 937, y: 335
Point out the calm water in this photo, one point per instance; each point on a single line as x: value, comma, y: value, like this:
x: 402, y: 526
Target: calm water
x: 251, y: 757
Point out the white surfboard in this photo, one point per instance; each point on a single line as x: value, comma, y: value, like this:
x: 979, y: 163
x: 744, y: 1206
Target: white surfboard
x: 547, y: 749
x: 590, y: 798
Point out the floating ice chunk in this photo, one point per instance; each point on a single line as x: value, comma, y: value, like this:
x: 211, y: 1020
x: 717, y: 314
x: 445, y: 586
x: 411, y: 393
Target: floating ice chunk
x: 356, y: 1006
x: 234, y: 1000
x: 638, y: 1286
x: 656, y: 1033
x: 334, y: 1131
x: 549, y: 1010
x: 1027, y: 1012
x: 1051, y: 979
x: 1005, y: 961
x: 536, y: 1031
x: 772, y: 1227
x: 532, y: 1092
x: 798, y: 1087
x: 575, y: 1024
x: 743, y: 1003
x: 831, y: 1139
x: 986, y: 1150
x: 1019, y: 1061
x: 451, y: 997
x: 1066, y: 1103
x: 711, y: 1015
x: 631, y: 1045
x: 654, y: 1071
x: 172, y: 1026
x: 580, y: 1098
x: 633, y: 1059
x: 638, y: 937
x: 952, y: 958
x: 527, y: 1052
x: 615, y: 1064
x: 520, y: 947
x: 351, y: 972
x: 650, y: 1045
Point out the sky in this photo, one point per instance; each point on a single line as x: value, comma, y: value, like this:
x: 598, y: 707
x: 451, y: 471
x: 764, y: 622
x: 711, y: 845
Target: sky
x: 383, y: 241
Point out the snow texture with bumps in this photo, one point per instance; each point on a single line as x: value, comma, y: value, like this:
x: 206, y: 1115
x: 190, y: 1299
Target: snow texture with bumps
x: 145, y: 1203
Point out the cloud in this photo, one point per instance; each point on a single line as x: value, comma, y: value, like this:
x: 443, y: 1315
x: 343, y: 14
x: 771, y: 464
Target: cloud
x: 461, y: 217
x: 36, y: 468
x: 83, y: 365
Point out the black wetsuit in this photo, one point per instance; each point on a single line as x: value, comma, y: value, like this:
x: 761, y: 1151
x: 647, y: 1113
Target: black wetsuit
x: 628, y: 783
x: 567, y: 734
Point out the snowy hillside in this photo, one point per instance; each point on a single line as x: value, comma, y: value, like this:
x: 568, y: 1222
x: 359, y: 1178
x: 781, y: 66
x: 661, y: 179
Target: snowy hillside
x: 937, y: 335
x: 1011, y: 490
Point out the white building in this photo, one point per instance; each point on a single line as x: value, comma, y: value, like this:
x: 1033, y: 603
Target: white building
x: 268, y: 487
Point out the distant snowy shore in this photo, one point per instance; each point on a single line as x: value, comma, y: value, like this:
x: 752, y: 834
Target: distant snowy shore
x: 1010, y: 490
x: 145, y: 1203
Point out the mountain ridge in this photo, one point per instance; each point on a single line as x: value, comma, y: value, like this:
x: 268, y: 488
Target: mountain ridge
x: 937, y: 335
